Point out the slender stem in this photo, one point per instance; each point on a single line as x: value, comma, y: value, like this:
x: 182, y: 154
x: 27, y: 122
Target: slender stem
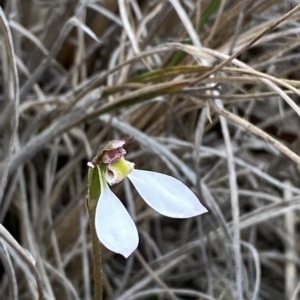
x: 97, y: 259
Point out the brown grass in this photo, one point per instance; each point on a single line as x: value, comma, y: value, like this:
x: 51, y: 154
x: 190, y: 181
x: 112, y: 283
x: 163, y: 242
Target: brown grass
x: 209, y: 89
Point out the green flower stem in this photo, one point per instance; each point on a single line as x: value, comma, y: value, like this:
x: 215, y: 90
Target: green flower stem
x: 94, y: 189
x: 97, y: 259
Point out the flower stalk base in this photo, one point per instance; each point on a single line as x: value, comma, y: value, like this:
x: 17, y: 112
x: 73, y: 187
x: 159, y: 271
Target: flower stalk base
x: 97, y: 259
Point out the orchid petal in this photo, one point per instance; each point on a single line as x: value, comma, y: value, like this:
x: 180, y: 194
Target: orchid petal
x: 114, y: 226
x: 117, y: 171
x: 167, y: 195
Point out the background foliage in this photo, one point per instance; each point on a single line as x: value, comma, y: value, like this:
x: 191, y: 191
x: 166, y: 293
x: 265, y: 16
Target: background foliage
x: 209, y: 89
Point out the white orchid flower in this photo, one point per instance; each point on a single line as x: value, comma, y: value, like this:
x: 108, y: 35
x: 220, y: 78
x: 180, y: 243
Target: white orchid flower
x: 165, y: 194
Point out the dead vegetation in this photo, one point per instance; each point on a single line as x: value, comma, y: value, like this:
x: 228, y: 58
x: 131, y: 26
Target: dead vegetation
x: 209, y: 89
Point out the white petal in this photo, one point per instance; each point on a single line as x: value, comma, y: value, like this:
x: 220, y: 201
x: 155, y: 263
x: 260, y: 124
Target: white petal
x: 166, y: 194
x: 114, y: 226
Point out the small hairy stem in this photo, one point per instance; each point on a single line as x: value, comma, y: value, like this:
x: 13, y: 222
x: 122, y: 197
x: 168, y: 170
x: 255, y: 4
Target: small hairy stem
x: 97, y: 265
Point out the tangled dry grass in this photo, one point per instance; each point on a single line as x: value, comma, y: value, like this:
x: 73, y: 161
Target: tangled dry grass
x: 209, y: 89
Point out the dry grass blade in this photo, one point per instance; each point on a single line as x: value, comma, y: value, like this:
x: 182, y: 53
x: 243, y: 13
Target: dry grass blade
x: 25, y: 256
x: 256, y: 38
x: 255, y: 130
x: 10, y: 108
x: 9, y: 269
x: 209, y: 89
x: 290, y: 268
x: 170, y: 294
x: 143, y: 282
x: 234, y: 203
